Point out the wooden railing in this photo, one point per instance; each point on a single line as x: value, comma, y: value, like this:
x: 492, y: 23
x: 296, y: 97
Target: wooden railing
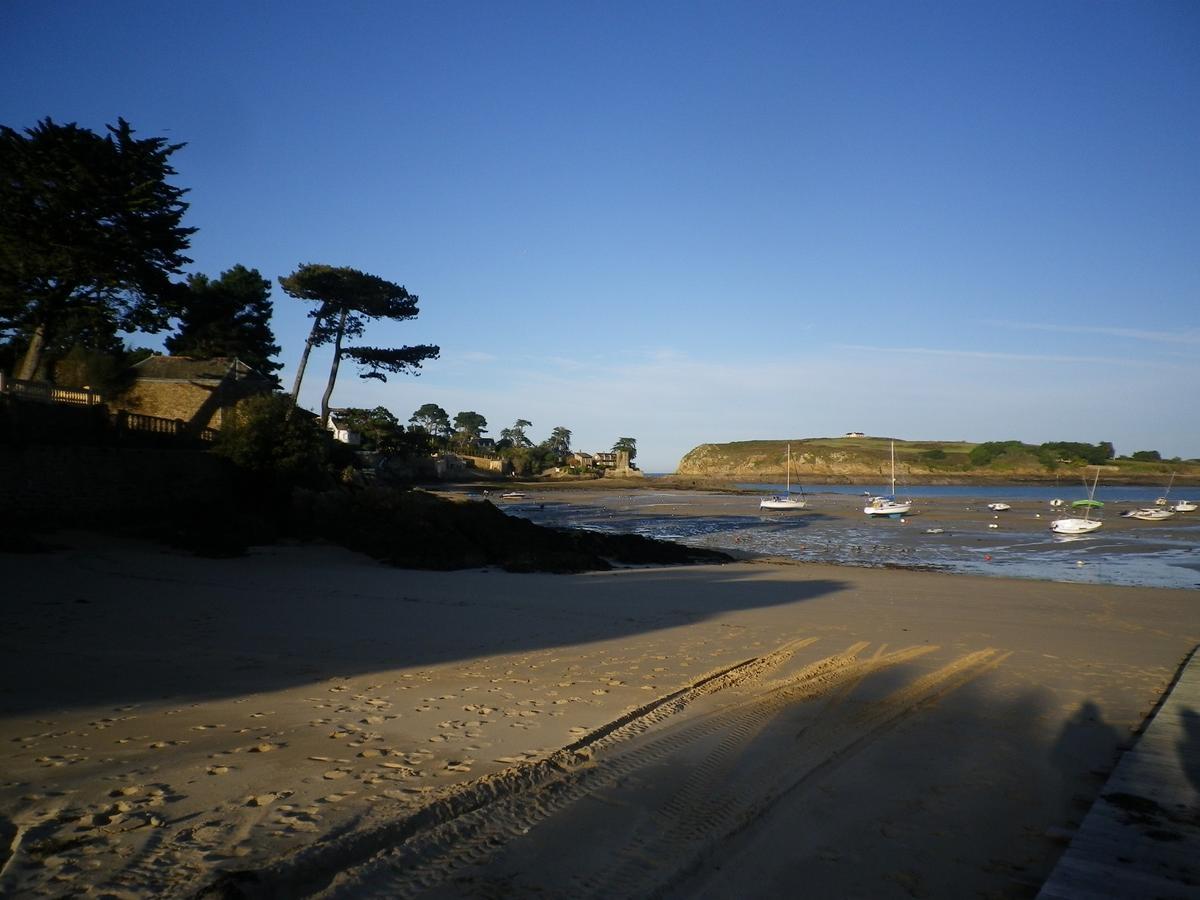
x: 44, y: 392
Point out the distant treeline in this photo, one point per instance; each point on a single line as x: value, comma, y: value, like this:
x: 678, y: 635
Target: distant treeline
x: 1051, y: 454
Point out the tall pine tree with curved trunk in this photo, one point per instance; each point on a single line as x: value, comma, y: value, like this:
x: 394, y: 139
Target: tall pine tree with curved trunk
x: 228, y: 316
x: 90, y: 234
x: 347, y: 300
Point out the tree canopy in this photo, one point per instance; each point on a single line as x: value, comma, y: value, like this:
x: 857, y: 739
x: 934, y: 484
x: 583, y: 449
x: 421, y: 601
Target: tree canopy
x: 559, y: 442
x: 90, y: 233
x: 347, y: 300
x: 230, y: 316
x: 470, y: 426
x: 515, y: 435
x: 432, y: 418
x: 626, y: 443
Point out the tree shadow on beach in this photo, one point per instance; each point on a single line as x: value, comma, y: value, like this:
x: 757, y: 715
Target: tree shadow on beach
x: 128, y: 623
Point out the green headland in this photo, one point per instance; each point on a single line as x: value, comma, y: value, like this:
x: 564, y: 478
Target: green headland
x: 862, y: 459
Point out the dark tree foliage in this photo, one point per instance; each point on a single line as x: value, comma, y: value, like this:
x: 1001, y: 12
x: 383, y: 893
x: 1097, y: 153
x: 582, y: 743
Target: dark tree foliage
x: 1073, y: 451
x: 989, y: 451
x: 347, y: 300
x: 515, y: 435
x: 230, y: 316
x: 626, y: 443
x: 1146, y: 456
x: 433, y: 420
x: 90, y: 233
x: 1050, y: 454
x: 262, y: 437
x: 559, y: 442
x: 382, y: 431
x: 469, y: 426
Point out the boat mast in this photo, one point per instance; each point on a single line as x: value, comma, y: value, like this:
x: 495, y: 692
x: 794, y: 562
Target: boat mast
x: 893, y: 469
x: 789, y: 470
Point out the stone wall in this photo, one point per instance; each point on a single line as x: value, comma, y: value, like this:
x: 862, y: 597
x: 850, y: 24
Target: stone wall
x: 74, y: 486
x: 175, y: 400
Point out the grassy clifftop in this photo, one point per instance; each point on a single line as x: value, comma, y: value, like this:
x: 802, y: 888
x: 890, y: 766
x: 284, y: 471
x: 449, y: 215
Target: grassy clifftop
x: 818, y: 460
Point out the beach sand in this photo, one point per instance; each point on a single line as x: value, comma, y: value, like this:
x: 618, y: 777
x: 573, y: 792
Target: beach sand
x: 319, y: 724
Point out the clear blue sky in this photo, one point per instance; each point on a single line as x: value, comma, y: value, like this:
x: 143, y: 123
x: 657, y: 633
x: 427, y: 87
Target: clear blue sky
x: 694, y: 222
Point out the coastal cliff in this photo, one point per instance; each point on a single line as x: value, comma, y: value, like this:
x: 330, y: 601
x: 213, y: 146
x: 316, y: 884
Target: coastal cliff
x: 868, y: 459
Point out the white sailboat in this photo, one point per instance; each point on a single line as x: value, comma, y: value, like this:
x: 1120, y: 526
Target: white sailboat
x: 1163, y: 501
x: 787, y: 500
x: 889, y: 505
x: 1074, y: 524
x: 1149, y: 514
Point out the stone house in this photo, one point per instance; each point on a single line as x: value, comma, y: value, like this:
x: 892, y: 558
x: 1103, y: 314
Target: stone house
x: 198, y: 392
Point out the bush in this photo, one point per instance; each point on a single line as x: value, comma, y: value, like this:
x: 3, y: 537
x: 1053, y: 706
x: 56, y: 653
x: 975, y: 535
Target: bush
x: 1146, y: 456
x: 269, y: 437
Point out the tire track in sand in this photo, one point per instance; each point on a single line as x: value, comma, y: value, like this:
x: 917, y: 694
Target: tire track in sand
x: 435, y: 856
x: 311, y: 870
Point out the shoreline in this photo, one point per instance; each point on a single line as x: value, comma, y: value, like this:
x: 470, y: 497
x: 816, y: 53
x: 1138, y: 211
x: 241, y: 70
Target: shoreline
x: 728, y: 484
x: 173, y: 718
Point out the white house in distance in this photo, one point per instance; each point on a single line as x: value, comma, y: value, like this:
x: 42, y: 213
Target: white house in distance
x: 853, y: 434
x: 341, y: 430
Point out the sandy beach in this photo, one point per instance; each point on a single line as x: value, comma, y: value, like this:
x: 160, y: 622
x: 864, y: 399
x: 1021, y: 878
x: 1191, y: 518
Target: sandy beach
x: 303, y: 721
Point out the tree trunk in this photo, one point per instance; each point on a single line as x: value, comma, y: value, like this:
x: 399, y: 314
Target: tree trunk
x: 333, y: 369
x: 308, y: 345
x: 33, y: 354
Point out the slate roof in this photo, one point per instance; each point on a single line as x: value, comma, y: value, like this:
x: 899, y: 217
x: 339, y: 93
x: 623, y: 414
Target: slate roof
x: 185, y: 368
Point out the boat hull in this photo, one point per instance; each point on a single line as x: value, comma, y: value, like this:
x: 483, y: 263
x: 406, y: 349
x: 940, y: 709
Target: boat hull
x: 782, y: 503
x: 1074, y: 526
x: 887, y: 509
x: 1150, y: 514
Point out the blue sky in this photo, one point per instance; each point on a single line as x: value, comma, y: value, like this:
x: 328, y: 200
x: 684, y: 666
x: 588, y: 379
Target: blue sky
x: 694, y: 222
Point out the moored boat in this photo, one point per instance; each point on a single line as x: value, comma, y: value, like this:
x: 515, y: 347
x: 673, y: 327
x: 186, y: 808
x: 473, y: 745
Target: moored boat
x: 787, y: 500
x: 888, y: 505
x: 1085, y: 524
x: 1149, y: 514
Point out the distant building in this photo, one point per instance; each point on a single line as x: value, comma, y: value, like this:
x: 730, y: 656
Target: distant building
x: 198, y: 392
x: 341, y: 430
x: 581, y: 460
x: 853, y: 434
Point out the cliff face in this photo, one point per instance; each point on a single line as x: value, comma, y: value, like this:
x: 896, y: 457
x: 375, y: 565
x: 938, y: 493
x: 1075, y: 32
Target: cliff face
x: 735, y: 461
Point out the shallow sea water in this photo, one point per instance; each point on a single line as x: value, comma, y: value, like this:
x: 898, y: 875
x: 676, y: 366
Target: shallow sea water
x: 1146, y: 554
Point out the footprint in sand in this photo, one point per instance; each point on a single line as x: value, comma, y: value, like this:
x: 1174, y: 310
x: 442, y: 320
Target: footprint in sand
x: 205, y: 727
x: 599, y: 691
x: 218, y: 770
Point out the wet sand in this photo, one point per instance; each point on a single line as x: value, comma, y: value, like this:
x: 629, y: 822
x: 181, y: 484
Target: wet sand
x: 952, y: 534
x: 325, y: 725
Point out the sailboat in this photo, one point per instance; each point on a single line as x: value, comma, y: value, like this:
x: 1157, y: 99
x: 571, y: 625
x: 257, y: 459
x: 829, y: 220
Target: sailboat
x: 787, y: 500
x: 1073, y: 524
x: 1163, y: 501
x: 889, y: 505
